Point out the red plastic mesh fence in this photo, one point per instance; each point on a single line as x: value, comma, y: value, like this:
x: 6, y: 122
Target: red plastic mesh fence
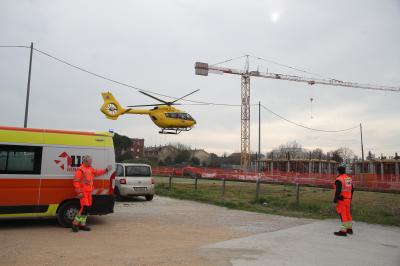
x: 366, y: 181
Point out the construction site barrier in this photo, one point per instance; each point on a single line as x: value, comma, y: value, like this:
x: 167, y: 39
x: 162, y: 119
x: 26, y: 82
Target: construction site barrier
x: 365, y: 181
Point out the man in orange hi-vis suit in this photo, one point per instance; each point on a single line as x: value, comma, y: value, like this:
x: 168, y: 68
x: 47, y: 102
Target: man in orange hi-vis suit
x: 343, y: 196
x: 83, y: 184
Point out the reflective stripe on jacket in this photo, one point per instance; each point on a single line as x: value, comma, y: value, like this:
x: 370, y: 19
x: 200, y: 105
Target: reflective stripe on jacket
x: 83, y: 179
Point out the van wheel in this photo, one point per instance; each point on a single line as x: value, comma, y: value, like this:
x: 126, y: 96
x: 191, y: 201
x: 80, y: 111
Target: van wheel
x: 66, y: 213
x: 117, y: 194
x: 149, y: 197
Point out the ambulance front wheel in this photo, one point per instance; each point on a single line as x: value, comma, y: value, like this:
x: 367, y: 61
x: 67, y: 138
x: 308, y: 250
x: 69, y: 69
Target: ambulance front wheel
x: 66, y: 213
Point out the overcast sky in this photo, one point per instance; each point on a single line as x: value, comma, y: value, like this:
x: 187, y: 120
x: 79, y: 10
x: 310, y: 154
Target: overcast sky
x: 154, y: 45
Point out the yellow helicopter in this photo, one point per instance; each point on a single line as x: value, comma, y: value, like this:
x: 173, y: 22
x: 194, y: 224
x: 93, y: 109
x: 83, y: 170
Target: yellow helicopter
x: 170, y: 119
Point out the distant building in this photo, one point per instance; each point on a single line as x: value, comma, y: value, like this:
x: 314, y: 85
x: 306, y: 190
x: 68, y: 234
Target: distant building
x: 137, y: 148
x: 234, y: 158
x: 168, y: 154
x: 161, y: 153
x: 203, y: 156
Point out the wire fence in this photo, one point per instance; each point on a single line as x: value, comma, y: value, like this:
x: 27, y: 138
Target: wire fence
x: 364, y: 181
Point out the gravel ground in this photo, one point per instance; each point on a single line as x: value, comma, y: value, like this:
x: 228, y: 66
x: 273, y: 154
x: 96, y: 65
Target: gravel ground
x: 175, y: 232
x: 162, y: 232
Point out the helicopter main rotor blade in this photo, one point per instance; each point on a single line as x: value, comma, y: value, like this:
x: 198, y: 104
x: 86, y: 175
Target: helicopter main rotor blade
x: 155, y: 98
x: 184, y: 96
x: 142, y: 105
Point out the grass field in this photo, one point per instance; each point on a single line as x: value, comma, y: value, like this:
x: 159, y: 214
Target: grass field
x: 370, y: 207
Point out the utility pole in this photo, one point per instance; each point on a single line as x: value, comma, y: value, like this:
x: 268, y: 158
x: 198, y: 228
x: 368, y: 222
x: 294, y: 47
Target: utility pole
x: 362, y: 156
x: 28, y: 88
x: 259, y: 136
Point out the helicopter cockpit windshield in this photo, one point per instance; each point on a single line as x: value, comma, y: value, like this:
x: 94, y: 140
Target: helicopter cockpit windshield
x: 183, y: 116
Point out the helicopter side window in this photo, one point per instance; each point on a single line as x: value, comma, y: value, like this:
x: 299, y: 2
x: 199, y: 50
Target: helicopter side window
x: 184, y: 116
x: 171, y: 115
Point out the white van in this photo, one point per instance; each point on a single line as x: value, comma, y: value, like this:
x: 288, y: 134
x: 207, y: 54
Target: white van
x: 134, y: 179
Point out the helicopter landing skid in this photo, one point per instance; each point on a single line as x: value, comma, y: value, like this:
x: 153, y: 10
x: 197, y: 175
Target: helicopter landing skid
x: 174, y: 131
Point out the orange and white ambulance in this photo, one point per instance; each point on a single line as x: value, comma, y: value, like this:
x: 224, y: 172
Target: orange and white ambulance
x: 36, y: 170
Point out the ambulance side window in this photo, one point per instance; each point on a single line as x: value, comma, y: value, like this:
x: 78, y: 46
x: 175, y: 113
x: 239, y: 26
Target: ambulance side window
x: 3, y: 160
x: 15, y: 159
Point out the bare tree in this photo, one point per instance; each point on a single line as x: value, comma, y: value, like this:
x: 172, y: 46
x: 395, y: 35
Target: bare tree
x: 318, y: 154
x: 346, y: 153
x: 371, y: 156
x: 292, y: 149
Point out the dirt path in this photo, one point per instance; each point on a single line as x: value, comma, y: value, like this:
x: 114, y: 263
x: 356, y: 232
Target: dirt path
x: 162, y: 232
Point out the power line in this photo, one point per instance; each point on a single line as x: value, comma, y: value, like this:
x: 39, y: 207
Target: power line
x: 14, y: 46
x: 306, y: 127
x: 125, y: 84
x: 156, y: 93
x: 110, y: 79
x: 116, y: 81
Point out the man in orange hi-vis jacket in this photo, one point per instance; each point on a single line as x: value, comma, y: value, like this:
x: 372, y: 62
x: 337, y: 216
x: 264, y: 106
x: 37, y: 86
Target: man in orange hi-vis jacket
x: 83, y: 184
x: 343, y: 195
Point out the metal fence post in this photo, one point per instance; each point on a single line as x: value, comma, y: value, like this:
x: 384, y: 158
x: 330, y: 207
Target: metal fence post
x: 297, y: 193
x: 223, y: 187
x: 170, y: 182
x: 195, y: 183
x: 257, y: 189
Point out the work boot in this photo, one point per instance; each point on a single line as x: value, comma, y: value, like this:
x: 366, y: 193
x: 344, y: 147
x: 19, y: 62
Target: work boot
x: 350, y: 231
x: 75, y: 228
x: 340, y: 233
x: 84, y: 228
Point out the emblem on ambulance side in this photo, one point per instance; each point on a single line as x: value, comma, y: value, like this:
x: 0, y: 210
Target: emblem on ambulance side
x: 65, y: 160
x: 68, y: 162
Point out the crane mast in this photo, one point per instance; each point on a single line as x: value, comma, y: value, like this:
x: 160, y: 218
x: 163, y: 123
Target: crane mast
x: 204, y: 69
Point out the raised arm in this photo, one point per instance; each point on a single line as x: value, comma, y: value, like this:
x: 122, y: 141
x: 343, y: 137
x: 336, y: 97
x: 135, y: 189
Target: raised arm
x: 98, y: 172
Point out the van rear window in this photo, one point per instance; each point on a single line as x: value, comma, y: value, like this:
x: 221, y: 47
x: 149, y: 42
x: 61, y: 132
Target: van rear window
x: 15, y: 159
x: 136, y: 170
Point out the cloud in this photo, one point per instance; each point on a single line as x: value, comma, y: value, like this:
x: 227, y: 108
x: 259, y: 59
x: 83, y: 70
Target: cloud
x: 154, y: 44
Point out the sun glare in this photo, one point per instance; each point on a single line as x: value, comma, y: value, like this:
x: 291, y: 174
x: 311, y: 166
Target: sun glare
x: 275, y: 17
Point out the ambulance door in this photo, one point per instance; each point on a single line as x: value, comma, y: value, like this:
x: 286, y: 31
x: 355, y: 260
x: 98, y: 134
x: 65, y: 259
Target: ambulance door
x: 20, y: 169
x: 60, y: 164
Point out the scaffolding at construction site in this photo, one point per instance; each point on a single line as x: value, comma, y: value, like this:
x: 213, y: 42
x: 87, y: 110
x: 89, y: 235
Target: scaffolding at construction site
x: 382, y: 176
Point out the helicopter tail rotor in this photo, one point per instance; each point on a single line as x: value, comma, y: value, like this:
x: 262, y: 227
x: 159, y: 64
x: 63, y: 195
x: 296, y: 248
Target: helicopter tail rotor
x: 111, y: 107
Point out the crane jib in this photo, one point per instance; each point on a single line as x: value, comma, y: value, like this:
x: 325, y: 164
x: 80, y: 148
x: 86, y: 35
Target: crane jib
x: 204, y: 69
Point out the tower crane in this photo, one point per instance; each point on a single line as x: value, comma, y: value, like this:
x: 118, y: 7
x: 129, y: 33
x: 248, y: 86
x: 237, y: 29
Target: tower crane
x: 204, y: 69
